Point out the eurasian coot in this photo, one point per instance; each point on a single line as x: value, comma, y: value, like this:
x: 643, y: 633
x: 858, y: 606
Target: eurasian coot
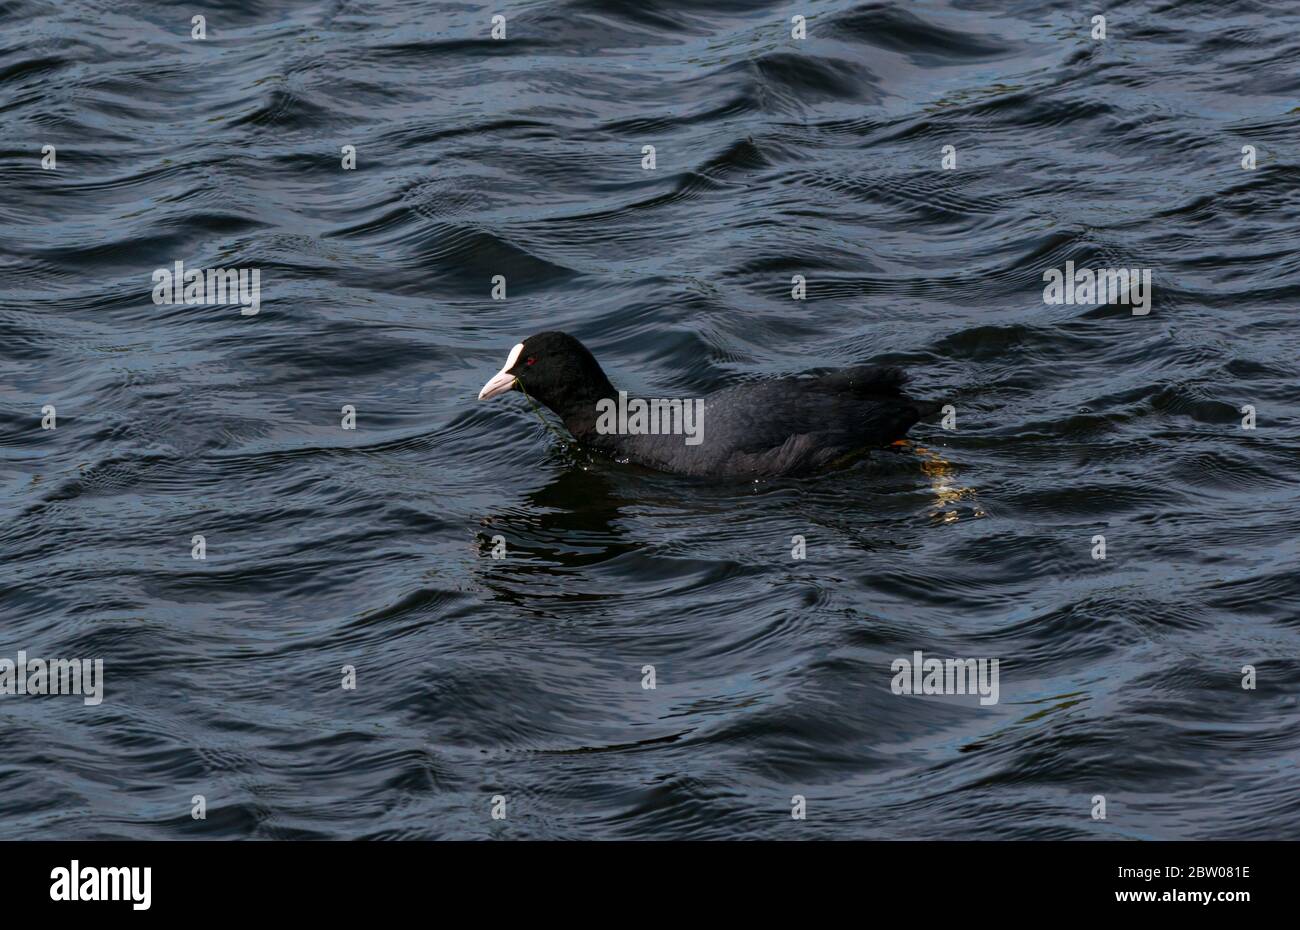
x: 781, y: 426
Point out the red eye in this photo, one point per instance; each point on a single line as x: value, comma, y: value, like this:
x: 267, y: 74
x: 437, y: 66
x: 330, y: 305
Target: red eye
x: 531, y: 359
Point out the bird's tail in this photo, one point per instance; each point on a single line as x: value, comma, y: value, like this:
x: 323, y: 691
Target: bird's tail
x: 926, y: 408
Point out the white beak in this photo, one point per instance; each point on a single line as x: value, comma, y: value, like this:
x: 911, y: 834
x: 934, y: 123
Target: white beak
x: 502, y: 381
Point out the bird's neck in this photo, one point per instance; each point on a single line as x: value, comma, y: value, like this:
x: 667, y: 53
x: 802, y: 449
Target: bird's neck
x: 580, y: 412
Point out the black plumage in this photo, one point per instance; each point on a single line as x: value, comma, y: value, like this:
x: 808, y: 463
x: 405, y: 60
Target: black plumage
x: 779, y: 426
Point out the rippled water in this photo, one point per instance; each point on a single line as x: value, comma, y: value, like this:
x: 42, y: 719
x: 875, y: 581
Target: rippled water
x: 522, y: 676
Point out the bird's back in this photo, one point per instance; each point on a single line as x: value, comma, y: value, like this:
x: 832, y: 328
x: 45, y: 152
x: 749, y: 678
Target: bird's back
x: 788, y: 426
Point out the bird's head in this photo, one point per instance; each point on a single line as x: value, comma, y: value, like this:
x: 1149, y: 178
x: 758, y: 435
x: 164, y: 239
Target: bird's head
x: 555, y: 369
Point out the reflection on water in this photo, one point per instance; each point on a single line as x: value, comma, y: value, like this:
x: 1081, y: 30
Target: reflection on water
x: 941, y: 472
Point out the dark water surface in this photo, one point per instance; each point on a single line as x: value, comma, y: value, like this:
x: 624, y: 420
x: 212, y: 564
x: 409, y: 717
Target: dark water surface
x: 522, y: 677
